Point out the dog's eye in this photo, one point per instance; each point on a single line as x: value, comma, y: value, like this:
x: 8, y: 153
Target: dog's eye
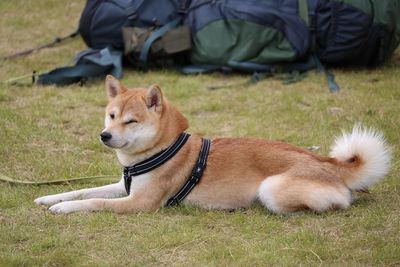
x: 112, y: 116
x: 131, y: 121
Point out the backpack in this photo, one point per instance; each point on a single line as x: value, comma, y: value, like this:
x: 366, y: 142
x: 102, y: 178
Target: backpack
x: 102, y: 21
x: 246, y: 35
x: 255, y: 34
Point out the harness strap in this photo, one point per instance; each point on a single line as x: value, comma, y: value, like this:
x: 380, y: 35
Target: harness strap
x: 195, y: 177
x: 153, y: 162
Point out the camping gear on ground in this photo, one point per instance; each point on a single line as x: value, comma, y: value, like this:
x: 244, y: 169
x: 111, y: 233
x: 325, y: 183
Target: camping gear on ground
x: 88, y: 64
x: 263, y: 36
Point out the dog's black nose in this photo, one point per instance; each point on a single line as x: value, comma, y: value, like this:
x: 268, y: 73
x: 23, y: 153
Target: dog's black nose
x: 105, y: 136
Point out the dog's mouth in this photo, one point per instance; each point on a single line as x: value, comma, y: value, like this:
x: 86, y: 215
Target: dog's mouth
x: 115, y: 146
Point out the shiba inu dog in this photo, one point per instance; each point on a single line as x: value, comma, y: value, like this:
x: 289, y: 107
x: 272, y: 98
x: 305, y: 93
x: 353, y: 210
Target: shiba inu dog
x: 141, y: 123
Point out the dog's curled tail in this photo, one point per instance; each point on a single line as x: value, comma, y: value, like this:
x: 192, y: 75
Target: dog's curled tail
x: 369, y: 152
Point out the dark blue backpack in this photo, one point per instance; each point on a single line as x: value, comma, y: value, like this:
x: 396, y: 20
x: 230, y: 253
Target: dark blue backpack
x: 102, y: 21
x: 253, y: 35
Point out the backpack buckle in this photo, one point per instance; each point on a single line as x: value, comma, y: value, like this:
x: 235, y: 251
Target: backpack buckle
x: 183, y: 8
x: 131, y: 11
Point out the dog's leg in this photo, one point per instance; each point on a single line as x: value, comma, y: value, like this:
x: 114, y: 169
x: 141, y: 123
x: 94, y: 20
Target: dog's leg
x: 120, y: 205
x: 108, y: 191
x: 285, y: 194
x: 146, y: 194
x: 131, y: 203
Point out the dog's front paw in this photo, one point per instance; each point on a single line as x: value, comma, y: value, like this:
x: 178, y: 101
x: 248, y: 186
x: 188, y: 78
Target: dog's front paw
x: 47, y: 200
x: 65, y: 207
x: 72, y: 206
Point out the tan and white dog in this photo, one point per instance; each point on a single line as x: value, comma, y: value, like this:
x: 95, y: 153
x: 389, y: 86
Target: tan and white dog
x: 141, y: 122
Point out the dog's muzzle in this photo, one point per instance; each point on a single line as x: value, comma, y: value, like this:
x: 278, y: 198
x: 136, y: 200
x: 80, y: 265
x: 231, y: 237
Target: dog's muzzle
x: 105, y: 136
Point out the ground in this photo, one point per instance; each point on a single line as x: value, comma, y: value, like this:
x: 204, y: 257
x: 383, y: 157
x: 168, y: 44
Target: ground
x: 50, y: 133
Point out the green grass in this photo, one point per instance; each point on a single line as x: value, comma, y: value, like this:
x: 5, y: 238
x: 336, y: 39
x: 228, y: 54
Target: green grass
x: 52, y: 133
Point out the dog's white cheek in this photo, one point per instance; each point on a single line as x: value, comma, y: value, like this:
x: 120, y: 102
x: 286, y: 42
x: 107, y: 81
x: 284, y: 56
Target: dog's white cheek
x: 141, y: 136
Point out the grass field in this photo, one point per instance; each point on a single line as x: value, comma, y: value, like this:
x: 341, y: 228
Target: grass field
x: 50, y: 133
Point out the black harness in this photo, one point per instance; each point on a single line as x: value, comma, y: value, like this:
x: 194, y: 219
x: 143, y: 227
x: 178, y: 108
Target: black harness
x: 162, y: 157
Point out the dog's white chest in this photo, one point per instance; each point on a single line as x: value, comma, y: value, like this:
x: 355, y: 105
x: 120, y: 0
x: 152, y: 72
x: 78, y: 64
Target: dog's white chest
x: 139, y: 182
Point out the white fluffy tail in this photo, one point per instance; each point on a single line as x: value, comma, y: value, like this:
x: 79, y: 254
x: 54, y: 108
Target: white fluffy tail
x: 370, y: 149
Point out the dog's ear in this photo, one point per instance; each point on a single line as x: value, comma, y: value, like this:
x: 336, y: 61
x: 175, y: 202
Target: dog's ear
x: 113, y: 87
x: 154, y: 98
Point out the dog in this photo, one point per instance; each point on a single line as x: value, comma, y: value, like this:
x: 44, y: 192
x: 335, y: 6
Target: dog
x: 141, y: 123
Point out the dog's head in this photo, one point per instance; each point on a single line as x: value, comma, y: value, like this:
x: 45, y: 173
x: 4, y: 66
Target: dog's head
x: 139, y: 118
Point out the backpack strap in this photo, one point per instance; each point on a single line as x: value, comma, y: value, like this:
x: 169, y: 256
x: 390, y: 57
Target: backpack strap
x: 303, y: 11
x: 156, y: 35
x: 330, y: 78
x: 89, y: 64
x: 199, y: 69
x: 74, y: 74
x: 56, y: 41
